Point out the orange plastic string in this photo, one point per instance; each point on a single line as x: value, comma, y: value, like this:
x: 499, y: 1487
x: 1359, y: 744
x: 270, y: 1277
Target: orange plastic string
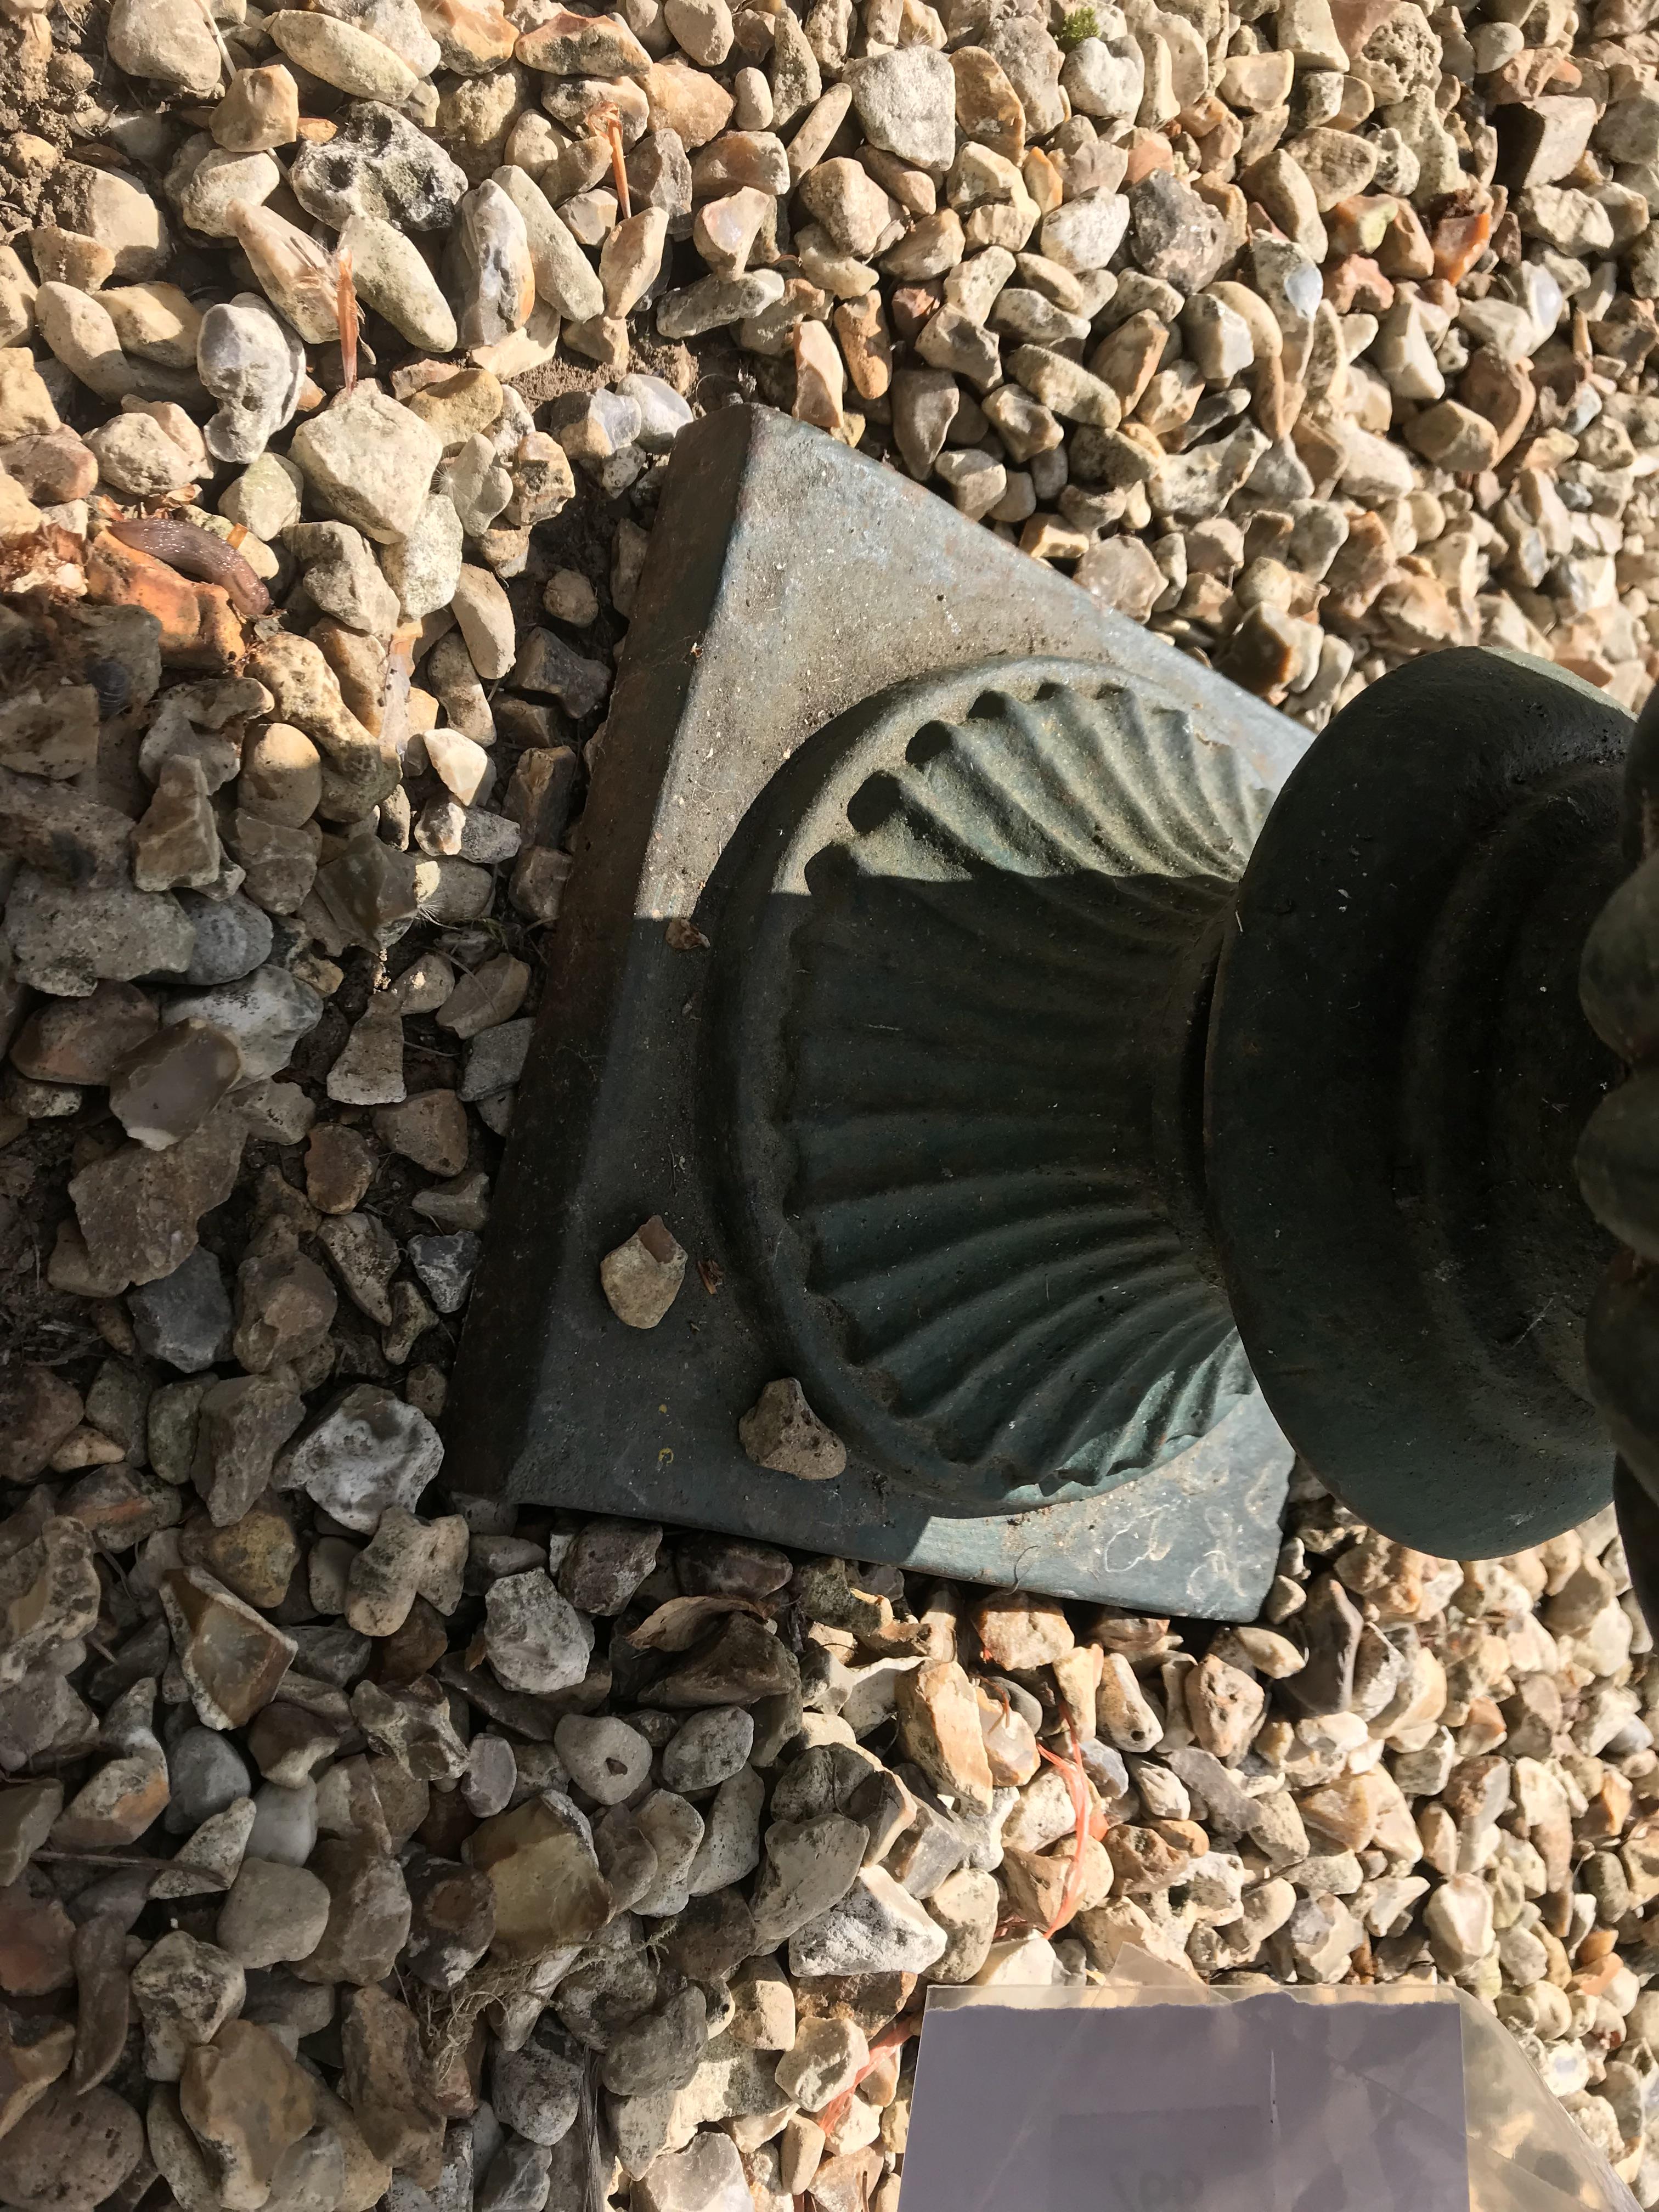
x: 345, y: 305
x: 610, y: 122
x: 907, y: 2025
x: 1072, y: 1768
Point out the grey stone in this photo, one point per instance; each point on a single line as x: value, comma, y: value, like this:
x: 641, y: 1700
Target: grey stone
x: 606, y: 1757
x: 492, y: 1775
x: 254, y: 366
x: 369, y: 1450
x: 730, y: 1850
x: 1083, y: 234
x: 380, y: 164
x: 285, y: 1823
x: 151, y: 39
x: 495, y: 1060
x: 392, y: 276
x: 265, y: 497
x: 1031, y: 60
x: 715, y: 303
x: 1190, y: 486
x: 930, y: 1848
x: 878, y: 1928
x: 1065, y: 387
x: 369, y: 462
x: 343, y: 577
x: 658, y: 2051
x: 810, y: 1867
x: 1227, y: 1808
x: 613, y: 1982
x: 536, y: 2090
x: 536, y: 1639
x: 184, y: 1990
x: 267, y: 1011
x: 1105, y: 77
x: 674, y: 1830
x: 479, y: 487
x: 205, y: 1773
x: 564, y: 277
x: 606, y: 1562
x: 594, y: 426
x: 926, y: 402
x: 663, y: 413
x: 446, y: 1266
x: 729, y: 1566
x: 546, y: 664
x: 906, y: 102
x: 709, y: 1748
x: 966, y: 1906
x: 424, y: 568
x: 185, y: 1318
x: 232, y: 936
x: 273, y: 1913
x: 824, y: 2060
x: 1174, y: 234
x: 66, y: 941
x: 1332, y: 1624
x: 1286, y: 279
x: 452, y: 1917
x: 708, y: 2176
x: 516, y: 2178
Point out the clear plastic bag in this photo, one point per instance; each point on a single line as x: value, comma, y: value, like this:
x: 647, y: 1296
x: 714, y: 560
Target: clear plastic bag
x: 1155, y: 2094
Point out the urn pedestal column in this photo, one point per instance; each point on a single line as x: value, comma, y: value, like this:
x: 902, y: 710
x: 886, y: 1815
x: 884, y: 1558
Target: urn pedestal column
x: 1030, y: 1047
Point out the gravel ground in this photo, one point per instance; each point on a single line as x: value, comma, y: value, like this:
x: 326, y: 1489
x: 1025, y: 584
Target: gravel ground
x: 361, y: 1839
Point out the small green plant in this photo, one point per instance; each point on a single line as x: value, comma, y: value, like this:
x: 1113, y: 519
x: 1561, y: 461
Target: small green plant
x: 1079, y: 24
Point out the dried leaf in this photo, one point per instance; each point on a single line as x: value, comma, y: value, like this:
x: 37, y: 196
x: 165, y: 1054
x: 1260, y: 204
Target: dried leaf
x: 676, y: 1626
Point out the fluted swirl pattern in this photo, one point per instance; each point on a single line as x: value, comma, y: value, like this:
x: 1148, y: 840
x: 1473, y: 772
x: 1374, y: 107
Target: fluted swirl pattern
x: 987, y: 1007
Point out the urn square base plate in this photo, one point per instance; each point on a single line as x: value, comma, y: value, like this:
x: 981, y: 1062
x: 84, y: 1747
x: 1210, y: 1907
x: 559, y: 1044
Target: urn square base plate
x: 789, y: 584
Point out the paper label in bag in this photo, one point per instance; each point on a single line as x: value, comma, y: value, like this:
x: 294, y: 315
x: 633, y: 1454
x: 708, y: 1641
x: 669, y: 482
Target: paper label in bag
x: 1265, y: 2104
x: 1211, y: 2160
